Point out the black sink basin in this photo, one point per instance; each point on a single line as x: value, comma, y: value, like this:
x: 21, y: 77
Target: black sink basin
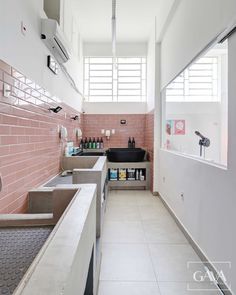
x: 125, y: 155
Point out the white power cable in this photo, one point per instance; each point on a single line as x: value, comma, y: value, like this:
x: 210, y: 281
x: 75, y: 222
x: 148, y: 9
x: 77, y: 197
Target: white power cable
x: 70, y: 80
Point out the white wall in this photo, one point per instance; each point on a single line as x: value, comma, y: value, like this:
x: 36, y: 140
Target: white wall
x: 193, y: 26
x: 114, y: 107
x: 28, y: 53
x: 208, y: 209
x: 157, y: 118
x: 123, y: 49
x: 203, y: 117
x: 151, y: 71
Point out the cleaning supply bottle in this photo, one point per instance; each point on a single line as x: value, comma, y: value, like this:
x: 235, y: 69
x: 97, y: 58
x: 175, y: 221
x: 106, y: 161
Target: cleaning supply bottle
x: 86, y: 143
x: 94, y: 143
x: 133, y: 143
x: 137, y: 174
x: 98, y: 143
x: 101, y: 144
x: 90, y: 143
x: 129, y: 143
x: 81, y: 146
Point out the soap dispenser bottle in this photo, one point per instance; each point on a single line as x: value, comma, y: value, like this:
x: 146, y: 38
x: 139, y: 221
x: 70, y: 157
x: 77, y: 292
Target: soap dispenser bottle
x: 101, y: 144
x: 94, y: 143
x: 81, y: 146
x: 98, y: 143
x: 129, y: 143
x: 90, y: 143
x: 86, y: 143
x: 133, y: 143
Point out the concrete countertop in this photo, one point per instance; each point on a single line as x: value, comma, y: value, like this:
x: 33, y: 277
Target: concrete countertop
x: 59, y: 180
x: 60, y: 267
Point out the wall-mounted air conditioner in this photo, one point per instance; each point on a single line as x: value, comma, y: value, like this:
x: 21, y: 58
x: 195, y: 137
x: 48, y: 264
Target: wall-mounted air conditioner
x: 55, y: 40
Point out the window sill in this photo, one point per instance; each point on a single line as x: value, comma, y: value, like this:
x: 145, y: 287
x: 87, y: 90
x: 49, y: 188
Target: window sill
x: 196, y: 158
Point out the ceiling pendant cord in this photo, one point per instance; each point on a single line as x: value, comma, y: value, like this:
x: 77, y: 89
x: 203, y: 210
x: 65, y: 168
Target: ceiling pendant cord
x: 113, y: 25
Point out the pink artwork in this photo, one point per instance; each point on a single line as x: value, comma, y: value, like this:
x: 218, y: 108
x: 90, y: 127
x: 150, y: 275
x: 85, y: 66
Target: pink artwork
x: 179, y: 127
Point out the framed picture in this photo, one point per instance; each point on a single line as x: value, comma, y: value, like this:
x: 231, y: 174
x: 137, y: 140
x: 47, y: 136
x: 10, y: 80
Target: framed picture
x: 179, y: 127
x: 169, y: 127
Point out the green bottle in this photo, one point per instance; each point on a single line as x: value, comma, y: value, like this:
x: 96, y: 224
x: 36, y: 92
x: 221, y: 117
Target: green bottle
x: 90, y: 143
x: 94, y: 143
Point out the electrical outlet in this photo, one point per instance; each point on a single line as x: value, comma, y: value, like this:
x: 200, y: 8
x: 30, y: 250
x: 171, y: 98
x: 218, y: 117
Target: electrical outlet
x: 182, y: 196
x: 163, y: 179
x: 23, y: 28
x: 102, y: 131
x: 113, y: 131
x: 6, y: 90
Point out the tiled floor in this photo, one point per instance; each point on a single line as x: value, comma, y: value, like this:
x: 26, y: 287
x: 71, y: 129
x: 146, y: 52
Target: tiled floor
x: 144, y: 252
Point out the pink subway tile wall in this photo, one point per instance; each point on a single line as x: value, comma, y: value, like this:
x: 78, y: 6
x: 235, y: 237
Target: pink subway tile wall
x: 135, y: 127
x: 141, y: 127
x: 149, y: 142
x: 30, y: 147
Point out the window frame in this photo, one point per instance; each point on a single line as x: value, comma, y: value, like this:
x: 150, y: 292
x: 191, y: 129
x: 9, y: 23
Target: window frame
x: 116, y: 91
x: 188, y: 85
x: 163, y: 102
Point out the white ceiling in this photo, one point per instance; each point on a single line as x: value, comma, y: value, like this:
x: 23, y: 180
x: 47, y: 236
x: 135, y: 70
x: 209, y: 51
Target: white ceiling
x: 135, y: 19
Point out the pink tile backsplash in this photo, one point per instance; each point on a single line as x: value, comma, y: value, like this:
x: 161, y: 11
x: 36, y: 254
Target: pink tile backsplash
x: 30, y: 148
x: 139, y: 126
x: 93, y: 124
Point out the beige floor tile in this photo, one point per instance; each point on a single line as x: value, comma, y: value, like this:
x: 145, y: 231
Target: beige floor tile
x: 128, y: 288
x: 126, y: 262
x: 153, y: 211
x: 122, y: 213
x: 171, y: 262
x: 149, y: 200
x: 123, y: 232
x: 125, y: 202
x: 123, y: 199
x: 164, y: 230
x: 173, y: 288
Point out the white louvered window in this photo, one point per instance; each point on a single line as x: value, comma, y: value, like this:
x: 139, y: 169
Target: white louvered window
x: 120, y: 81
x: 198, y: 83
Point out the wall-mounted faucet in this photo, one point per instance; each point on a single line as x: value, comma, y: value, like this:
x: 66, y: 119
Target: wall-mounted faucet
x: 203, y: 142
